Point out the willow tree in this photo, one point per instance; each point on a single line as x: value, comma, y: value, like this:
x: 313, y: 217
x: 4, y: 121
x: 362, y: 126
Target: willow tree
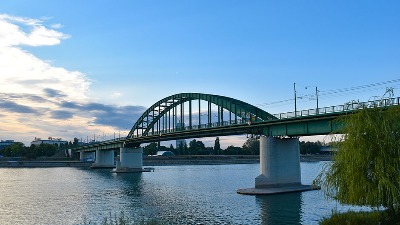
x: 366, y: 167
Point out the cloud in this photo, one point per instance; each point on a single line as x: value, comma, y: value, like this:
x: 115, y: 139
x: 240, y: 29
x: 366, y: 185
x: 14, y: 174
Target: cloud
x: 38, y: 99
x: 54, y: 93
x: 56, y: 26
x: 15, y: 31
x: 61, y: 114
x: 121, y: 117
x: 16, y: 108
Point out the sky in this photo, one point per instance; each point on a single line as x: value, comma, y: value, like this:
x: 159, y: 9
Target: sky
x: 91, y: 68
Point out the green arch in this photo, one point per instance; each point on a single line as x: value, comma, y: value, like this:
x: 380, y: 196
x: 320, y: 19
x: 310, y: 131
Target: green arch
x: 155, y: 113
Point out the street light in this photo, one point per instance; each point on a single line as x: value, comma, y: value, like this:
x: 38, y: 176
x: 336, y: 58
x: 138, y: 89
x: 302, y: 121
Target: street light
x: 316, y: 94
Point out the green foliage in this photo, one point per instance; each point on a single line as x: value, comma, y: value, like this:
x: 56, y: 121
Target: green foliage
x: 361, y: 218
x: 45, y: 150
x: 217, y: 146
x: 365, y: 170
x: 251, y: 147
x: 150, y: 149
x: 232, y: 150
x: 15, y: 150
x: 197, y: 148
x: 310, y: 147
x: 352, y: 218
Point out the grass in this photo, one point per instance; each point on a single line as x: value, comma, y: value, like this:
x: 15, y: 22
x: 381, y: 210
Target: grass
x: 361, y: 218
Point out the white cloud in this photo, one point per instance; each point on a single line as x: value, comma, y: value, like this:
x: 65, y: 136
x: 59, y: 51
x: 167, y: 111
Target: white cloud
x: 116, y: 94
x: 56, y: 26
x: 29, y: 84
x: 15, y: 31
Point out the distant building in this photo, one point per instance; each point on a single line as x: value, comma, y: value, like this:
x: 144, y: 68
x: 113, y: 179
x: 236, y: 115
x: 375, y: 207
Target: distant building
x: 165, y: 153
x: 50, y: 140
x: 6, y: 143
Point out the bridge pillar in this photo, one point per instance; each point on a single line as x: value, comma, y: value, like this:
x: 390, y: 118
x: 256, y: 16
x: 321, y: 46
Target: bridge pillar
x: 279, y: 167
x: 104, y: 159
x: 131, y: 160
x: 279, y: 162
x: 86, y: 156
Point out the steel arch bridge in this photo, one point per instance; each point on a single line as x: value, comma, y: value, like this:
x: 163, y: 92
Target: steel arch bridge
x: 168, y: 114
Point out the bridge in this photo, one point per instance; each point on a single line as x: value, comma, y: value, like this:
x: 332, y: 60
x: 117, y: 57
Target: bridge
x: 279, y: 144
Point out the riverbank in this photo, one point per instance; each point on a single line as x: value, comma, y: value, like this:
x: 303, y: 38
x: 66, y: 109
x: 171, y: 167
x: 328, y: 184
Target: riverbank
x: 200, y: 160
x: 156, y: 161
x: 38, y: 164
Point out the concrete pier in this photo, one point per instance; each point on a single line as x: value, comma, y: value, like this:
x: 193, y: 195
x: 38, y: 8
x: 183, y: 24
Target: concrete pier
x: 131, y: 160
x: 279, y: 168
x: 104, y: 159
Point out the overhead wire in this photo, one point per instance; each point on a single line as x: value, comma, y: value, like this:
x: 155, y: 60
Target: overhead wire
x: 332, y: 93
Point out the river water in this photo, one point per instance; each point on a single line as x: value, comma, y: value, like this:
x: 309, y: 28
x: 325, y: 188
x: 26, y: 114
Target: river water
x: 192, y: 194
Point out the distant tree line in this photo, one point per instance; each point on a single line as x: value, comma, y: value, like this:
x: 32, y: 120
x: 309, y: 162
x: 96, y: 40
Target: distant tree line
x: 307, y: 148
x: 250, y: 147
x: 18, y: 149
x: 196, y: 147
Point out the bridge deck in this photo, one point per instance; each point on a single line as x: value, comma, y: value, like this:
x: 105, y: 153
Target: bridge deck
x: 319, y: 121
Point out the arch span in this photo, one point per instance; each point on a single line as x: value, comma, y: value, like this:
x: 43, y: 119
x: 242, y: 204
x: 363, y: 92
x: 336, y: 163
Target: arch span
x: 168, y: 114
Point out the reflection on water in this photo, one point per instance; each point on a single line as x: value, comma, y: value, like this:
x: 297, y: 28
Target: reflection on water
x: 280, y: 208
x: 197, y: 194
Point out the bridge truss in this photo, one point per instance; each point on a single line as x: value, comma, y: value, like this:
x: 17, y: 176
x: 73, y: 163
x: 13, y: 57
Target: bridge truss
x: 168, y: 114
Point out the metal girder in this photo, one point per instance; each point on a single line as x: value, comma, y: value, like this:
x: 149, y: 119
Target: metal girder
x: 294, y: 127
x: 237, y: 107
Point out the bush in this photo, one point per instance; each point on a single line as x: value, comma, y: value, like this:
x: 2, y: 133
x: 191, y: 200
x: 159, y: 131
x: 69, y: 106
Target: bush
x: 361, y: 218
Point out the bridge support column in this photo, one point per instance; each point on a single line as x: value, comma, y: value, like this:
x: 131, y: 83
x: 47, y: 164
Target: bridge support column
x: 279, y: 162
x: 131, y: 160
x: 279, y: 167
x: 104, y: 159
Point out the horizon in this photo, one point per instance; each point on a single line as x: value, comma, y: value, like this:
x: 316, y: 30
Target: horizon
x: 78, y: 69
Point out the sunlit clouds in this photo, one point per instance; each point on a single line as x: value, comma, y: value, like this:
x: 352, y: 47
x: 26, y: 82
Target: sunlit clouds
x: 38, y: 99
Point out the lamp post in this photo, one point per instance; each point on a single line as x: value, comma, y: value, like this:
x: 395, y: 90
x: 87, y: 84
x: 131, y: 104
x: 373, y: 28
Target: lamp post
x: 316, y: 94
x: 295, y: 100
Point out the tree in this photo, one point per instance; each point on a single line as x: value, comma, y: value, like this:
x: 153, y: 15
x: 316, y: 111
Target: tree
x: 232, y: 150
x: 365, y: 170
x: 15, y: 150
x: 45, y: 150
x: 251, y: 146
x: 76, y: 142
x: 150, y: 149
x: 310, y: 147
x: 217, y: 146
x: 197, y: 148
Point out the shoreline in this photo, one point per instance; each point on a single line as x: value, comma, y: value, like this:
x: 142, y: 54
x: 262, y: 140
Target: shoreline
x: 157, y: 161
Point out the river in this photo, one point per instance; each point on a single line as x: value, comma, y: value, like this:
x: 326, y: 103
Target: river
x: 186, y: 194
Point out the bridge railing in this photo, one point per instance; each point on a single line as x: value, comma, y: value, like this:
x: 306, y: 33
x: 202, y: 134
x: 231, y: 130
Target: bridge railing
x: 196, y: 127
x: 349, y: 106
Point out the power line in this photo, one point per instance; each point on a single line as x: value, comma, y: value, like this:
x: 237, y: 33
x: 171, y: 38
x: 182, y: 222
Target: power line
x: 334, y: 92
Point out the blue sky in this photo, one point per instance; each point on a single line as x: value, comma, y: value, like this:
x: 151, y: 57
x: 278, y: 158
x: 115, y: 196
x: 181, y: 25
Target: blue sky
x: 97, y: 65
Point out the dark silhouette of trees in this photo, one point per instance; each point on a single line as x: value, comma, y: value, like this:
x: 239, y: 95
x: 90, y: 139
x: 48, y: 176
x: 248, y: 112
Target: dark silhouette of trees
x: 310, y: 147
x: 251, y: 147
x: 217, y: 146
x: 150, y: 149
x: 197, y: 148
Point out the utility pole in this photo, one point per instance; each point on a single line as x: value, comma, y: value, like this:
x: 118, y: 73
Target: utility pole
x: 316, y: 95
x: 295, y: 100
